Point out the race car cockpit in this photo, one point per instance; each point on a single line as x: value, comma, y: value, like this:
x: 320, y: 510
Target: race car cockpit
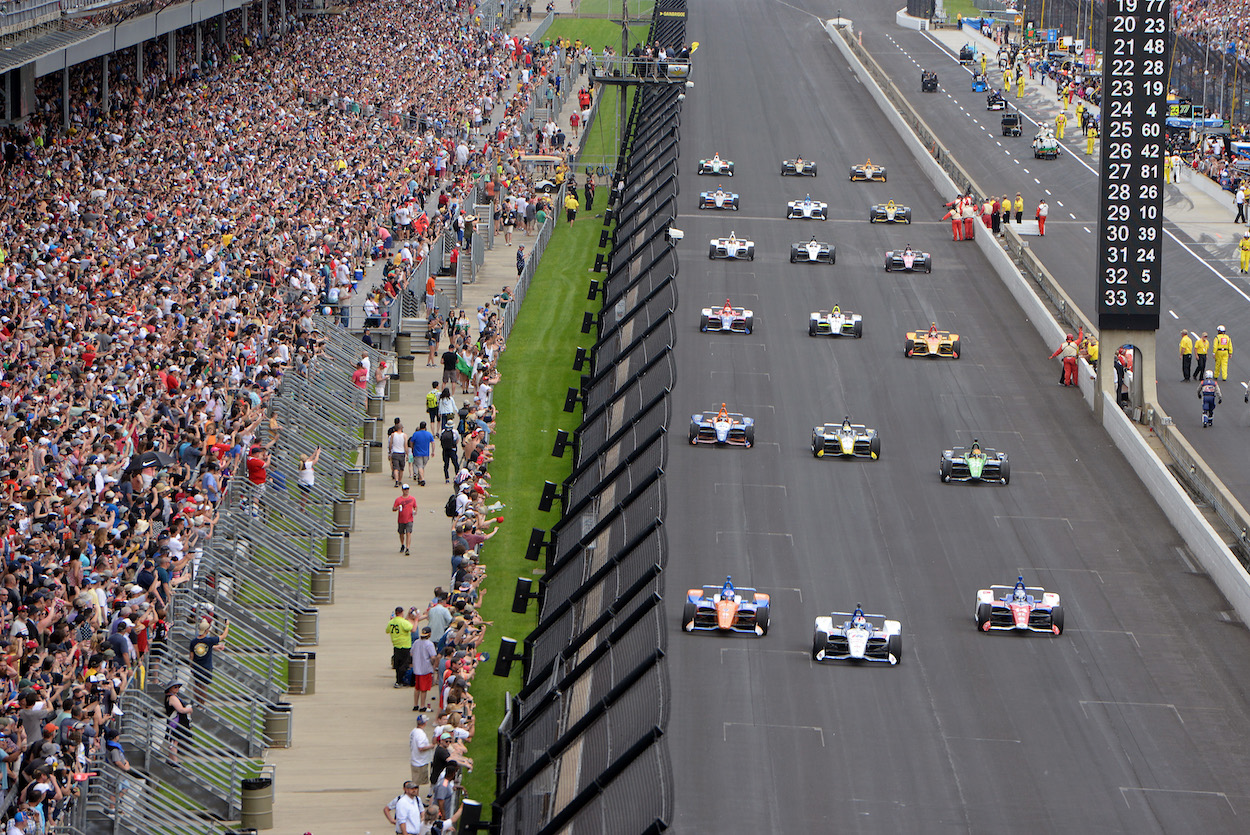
x: 723, y: 414
x: 1020, y: 593
x: 976, y: 448
x: 727, y: 590
x: 727, y: 309
x: 933, y: 331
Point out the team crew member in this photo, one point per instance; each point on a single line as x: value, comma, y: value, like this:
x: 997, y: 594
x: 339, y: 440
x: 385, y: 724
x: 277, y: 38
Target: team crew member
x: 1090, y: 136
x: 1060, y: 121
x: 1019, y: 207
x: 1020, y: 83
x: 400, y: 629
x: 1069, y: 350
x: 1091, y: 351
x: 1243, y: 247
x: 1209, y: 393
x: 1042, y: 211
x: 1201, y: 347
x: 1187, y: 355
x: 405, y: 506
x: 1223, y: 350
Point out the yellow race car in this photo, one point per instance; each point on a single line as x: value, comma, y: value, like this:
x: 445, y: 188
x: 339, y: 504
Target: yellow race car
x: 868, y: 172
x: 932, y: 343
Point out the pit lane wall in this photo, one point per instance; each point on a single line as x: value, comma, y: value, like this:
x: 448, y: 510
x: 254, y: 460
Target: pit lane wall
x: 1052, y: 313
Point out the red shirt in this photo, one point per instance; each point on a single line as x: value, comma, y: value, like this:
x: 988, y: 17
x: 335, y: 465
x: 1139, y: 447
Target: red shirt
x: 360, y: 377
x: 256, y: 470
x: 406, y: 505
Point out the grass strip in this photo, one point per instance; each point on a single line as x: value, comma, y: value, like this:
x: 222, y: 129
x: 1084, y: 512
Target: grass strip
x: 536, y: 373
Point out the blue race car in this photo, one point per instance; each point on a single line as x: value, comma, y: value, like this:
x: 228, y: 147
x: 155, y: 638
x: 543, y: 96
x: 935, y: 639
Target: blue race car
x: 722, y: 428
x: 726, y: 609
x: 979, y: 83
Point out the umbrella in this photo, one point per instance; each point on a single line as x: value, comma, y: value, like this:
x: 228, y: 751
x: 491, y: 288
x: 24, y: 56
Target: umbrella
x: 151, y: 458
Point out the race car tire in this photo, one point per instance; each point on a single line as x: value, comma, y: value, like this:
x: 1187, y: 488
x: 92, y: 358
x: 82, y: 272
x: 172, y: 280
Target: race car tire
x: 928, y: 265
x: 889, y: 262
x: 702, y: 168
x: 687, y: 614
x: 694, y: 434
x: 894, y: 646
x: 872, y: 215
x: 1056, y: 618
x: 818, y: 447
x: 833, y: 256
x: 703, y: 323
x: 791, y: 257
x: 908, y: 347
x: 984, y: 610
x: 711, y: 252
x: 957, y: 350
x: 907, y: 216
x: 1004, y: 469
x: 874, y: 446
x: 883, y: 176
x: 751, y: 253
x: 858, y: 329
x: 813, y: 169
x: 749, y: 324
x: 819, y: 642
x: 944, y: 469
x: 750, y: 435
x: 811, y: 328
x: 734, y: 204
x: 761, y: 618
x: 852, y: 175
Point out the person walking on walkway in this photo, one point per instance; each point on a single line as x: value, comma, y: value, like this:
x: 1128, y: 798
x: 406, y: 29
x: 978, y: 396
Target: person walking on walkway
x: 421, y: 442
x: 449, y: 441
x: 1060, y: 122
x: 1201, y: 346
x: 397, y: 446
x: 399, y: 628
x: 1042, y: 211
x: 520, y: 260
x: 589, y: 189
x: 570, y: 205
x: 1223, y: 350
x: 1239, y: 200
x: 1187, y: 355
x: 406, y: 506
x: 1243, y: 248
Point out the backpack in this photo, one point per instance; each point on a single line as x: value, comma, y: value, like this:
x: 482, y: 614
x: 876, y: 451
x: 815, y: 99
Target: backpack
x: 447, y: 438
x: 450, y: 507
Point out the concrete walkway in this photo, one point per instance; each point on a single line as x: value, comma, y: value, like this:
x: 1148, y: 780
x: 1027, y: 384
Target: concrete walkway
x: 350, y: 754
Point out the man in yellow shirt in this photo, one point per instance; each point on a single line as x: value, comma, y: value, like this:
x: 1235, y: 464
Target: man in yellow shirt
x: 1243, y: 248
x: 1223, y: 350
x: 1090, y: 136
x: 399, y: 628
x: 1020, y: 83
x: 1060, y: 121
x: 1201, y: 346
x: 1187, y: 354
x: 570, y: 206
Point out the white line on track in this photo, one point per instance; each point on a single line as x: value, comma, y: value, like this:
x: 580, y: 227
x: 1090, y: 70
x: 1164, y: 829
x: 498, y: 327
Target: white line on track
x: 1086, y: 228
x: 1047, y: 191
x: 1039, y: 182
x: 1071, y: 215
x: 1174, y: 316
x: 1059, y: 202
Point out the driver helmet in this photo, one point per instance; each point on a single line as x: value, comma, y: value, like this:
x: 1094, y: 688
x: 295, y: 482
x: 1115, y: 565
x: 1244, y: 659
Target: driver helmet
x: 976, y: 445
x: 727, y: 306
x: 860, y: 620
x: 1019, y: 590
x: 1209, y: 375
x: 720, y: 189
x: 846, y: 422
x: 807, y: 198
x: 733, y: 235
x: 727, y: 590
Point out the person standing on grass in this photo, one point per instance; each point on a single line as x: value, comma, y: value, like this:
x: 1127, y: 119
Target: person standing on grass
x: 406, y: 506
x: 570, y: 206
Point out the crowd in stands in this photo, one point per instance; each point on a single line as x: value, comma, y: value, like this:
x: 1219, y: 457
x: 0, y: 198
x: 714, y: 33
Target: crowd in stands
x: 161, y: 263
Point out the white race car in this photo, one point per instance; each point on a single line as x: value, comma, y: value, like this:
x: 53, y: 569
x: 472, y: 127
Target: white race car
x: 859, y: 637
x: 716, y: 165
x: 836, y: 322
x: 731, y: 247
x: 807, y: 209
x: 719, y: 199
x: 814, y: 252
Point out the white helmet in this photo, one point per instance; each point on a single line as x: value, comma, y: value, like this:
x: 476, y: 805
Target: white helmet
x: 1210, y: 375
x: 1220, y: 329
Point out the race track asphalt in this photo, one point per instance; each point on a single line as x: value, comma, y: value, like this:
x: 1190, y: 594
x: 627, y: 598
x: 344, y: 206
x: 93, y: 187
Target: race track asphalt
x: 1200, y: 288
x: 1134, y: 720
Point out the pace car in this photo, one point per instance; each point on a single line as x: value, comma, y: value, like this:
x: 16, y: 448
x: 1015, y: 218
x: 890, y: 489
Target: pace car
x: 731, y: 247
x: 867, y: 172
x: 889, y: 212
x: 928, y: 81
x: 727, y: 318
x: 722, y: 428
x: 846, y: 439
x: 1018, y: 608
x: 855, y: 636
x: 974, y: 464
x: 716, y: 165
x: 798, y: 167
x: 908, y: 260
x: 932, y: 343
x: 813, y: 251
x: 807, y: 209
x: 719, y: 199
x: 979, y: 82
x: 995, y: 101
x: 967, y: 54
x: 836, y: 322
x: 726, y: 608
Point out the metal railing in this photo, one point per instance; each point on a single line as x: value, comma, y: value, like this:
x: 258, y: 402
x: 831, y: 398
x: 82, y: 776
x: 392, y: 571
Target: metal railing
x: 27, y: 14
x: 132, y: 803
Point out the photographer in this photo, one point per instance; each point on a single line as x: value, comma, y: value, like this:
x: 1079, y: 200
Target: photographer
x: 432, y: 823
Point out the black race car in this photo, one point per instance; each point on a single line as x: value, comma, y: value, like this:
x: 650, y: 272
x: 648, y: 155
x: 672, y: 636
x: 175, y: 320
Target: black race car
x: 928, y: 81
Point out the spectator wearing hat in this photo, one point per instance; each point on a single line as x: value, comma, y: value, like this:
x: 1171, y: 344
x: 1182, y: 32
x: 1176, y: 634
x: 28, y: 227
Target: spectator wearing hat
x: 399, y: 628
x: 202, y: 649
x: 421, y: 752
x: 423, y: 655
x: 406, y: 506
x: 178, y: 717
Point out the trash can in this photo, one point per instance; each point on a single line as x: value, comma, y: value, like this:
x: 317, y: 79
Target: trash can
x: 403, y: 345
x: 278, y: 725
x: 407, y: 368
x: 256, y: 803
x: 306, y: 627
x: 377, y: 459
x: 301, y: 673
x: 392, y: 389
x: 321, y: 585
x: 344, y: 516
x: 373, y: 406
x: 354, y: 483
x: 338, y: 548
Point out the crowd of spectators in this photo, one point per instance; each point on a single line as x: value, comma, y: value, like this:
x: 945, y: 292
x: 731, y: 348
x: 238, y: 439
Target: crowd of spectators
x: 161, y: 263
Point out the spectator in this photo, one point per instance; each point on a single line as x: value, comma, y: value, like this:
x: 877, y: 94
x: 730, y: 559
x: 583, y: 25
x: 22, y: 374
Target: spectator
x: 202, y: 649
x: 423, y: 655
x: 421, y: 753
x: 406, y: 506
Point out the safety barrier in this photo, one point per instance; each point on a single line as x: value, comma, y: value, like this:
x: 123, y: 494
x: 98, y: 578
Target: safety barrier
x: 582, y: 744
